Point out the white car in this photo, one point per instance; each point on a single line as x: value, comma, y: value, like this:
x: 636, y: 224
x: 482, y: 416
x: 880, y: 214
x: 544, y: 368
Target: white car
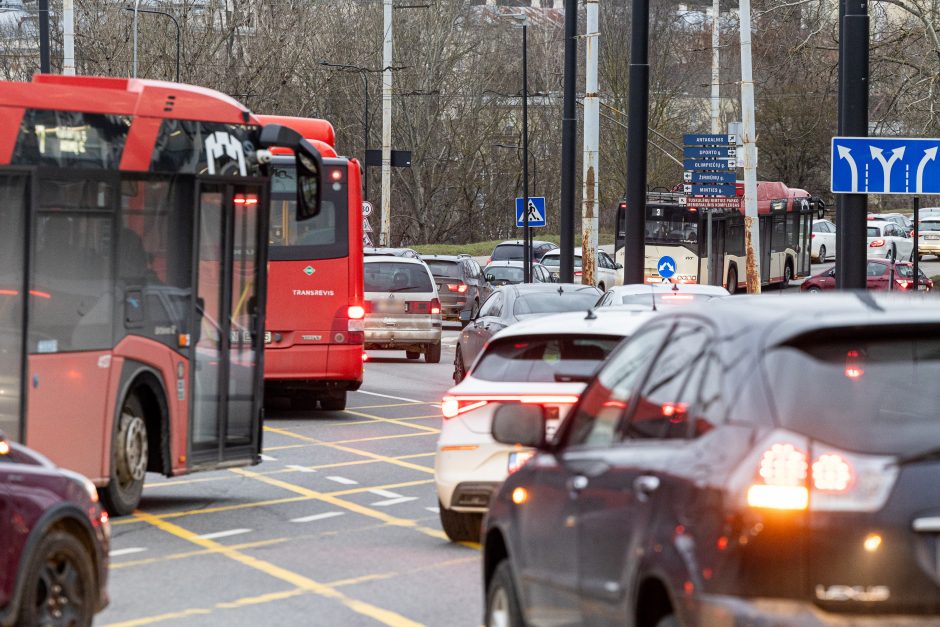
x: 823, y: 240
x: 657, y: 295
x: 887, y: 239
x: 928, y: 237
x: 607, y: 273
x: 546, y: 360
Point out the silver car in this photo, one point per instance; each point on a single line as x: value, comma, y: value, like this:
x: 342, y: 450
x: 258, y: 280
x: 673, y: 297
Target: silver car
x: 403, y: 309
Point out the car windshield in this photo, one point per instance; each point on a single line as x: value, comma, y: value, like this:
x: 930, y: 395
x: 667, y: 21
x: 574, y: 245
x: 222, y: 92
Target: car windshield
x: 671, y: 225
x: 553, y: 302
x: 447, y: 269
x: 667, y: 298
x: 554, y: 261
x: 507, y: 252
x: 544, y: 359
x: 391, y: 276
x: 875, y: 394
x: 929, y: 226
x: 906, y: 271
x: 874, y: 231
x: 509, y: 274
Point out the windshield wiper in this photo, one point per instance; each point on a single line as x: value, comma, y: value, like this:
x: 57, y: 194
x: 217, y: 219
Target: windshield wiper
x: 401, y: 289
x: 924, y: 456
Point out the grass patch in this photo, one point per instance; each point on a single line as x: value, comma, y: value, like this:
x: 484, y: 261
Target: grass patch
x: 483, y: 249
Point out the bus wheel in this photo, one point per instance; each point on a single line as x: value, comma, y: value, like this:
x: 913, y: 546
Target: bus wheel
x: 787, y: 275
x: 128, y: 460
x: 333, y: 401
x: 433, y: 353
x: 732, y: 280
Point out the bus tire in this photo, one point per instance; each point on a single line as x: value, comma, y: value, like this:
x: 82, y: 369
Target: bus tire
x: 787, y: 274
x: 129, y: 456
x: 732, y: 285
x: 334, y: 401
x: 433, y: 353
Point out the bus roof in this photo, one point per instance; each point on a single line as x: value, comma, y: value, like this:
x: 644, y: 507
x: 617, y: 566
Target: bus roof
x: 309, y: 128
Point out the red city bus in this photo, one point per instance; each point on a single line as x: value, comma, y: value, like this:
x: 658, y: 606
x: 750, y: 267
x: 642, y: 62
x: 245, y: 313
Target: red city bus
x: 314, y: 333
x: 132, y: 289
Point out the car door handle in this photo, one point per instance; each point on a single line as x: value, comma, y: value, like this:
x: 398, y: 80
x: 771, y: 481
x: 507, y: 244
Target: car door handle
x: 644, y: 485
x: 575, y: 484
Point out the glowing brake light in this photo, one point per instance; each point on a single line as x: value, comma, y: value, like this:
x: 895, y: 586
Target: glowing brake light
x: 677, y: 297
x: 336, y: 174
x: 853, y: 365
x: 831, y: 473
x: 435, y: 306
x: 460, y: 288
x: 453, y: 406
x: 356, y: 312
x: 878, y: 243
x: 782, y: 471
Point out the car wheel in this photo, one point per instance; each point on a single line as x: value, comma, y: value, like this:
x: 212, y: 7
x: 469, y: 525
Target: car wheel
x: 460, y: 370
x: 460, y: 526
x: 433, y: 353
x: 502, y: 600
x: 334, y: 402
x: 669, y: 620
x: 412, y: 354
x: 813, y: 290
x: 60, y: 585
x: 732, y: 280
x: 129, y: 456
x: 822, y: 254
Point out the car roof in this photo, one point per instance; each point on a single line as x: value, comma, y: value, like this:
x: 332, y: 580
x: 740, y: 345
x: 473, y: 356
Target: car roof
x: 453, y: 258
x: 662, y: 288
x: 519, y: 242
x: 508, y: 263
x: 381, y: 258
x: 596, y: 322
x: 931, y: 219
x: 529, y: 288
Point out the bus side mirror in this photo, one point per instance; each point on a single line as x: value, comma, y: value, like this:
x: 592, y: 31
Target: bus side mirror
x: 820, y: 207
x: 309, y: 166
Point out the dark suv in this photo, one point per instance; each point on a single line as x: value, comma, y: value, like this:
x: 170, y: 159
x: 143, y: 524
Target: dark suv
x: 54, y: 539
x: 512, y: 250
x: 460, y: 284
x: 766, y: 461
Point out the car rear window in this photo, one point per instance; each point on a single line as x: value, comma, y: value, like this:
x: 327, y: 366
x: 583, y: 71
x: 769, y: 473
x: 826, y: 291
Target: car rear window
x: 929, y: 226
x: 509, y: 274
x: 874, y: 231
x: 553, y: 302
x: 553, y: 261
x: 506, y: 252
x: 875, y: 394
x: 907, y: 271
x: 389, y: 276
x: 448, y: 269
x: 543, y: 358
x: 664, y: 299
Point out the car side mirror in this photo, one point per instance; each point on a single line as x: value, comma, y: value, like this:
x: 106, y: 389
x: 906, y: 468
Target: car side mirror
x: 490, y: 278
x: 465, y: 315
x: 520, y: 424
x: 618, y: 266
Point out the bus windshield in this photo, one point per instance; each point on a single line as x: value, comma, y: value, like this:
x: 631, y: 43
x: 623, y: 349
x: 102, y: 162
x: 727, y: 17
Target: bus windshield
x: 322, y: 237
x: 672, y: 225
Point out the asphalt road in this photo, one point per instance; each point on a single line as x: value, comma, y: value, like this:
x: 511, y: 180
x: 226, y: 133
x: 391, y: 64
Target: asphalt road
x: 337, y: 526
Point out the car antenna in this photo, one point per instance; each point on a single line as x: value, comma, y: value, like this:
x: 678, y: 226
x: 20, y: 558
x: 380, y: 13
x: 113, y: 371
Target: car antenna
x: 653, y: 297
x: 590, y: 315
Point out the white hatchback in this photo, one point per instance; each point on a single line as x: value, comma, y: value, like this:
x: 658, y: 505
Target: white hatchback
x: 546, y: 360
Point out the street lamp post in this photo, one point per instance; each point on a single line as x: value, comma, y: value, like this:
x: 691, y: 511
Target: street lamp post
x: 365, y: 116
x: 136, y: 9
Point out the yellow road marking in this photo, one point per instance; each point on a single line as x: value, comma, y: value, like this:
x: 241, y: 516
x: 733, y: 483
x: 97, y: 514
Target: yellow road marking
x: 391, y: 574
x: 347, y: 505
x: 262, y: 598
x: 391, y: 421
x: 297, y: 580
x: 187, y: 554
x: 384, y: 406
x: 397, y: 436
x: 214, y: 510
x: 390, y: 486
x: 347, y: 449
x: 161, y: 618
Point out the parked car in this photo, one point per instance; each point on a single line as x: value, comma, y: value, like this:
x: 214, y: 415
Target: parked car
x: 512, y: 272
x: 877, y: 277
x: 512, y: 250
x: 403, y: 309
x: 656, y: 295
x: 54, y: 542
x: 888, y: 240
x: 823, y: 240
x: 607, y: 272
x: 460, y: 284
x: 755, y: 461
x: 544, y: 360
x: 906, y: 223
x: 512, y: 303
x: 390, y: 252
x: 928, y: 237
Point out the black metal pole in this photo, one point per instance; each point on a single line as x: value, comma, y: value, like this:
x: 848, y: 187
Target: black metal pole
x: 853, y: 256
x: 365, y: 139
x: 44, y: 65
x: 915, y: 256
x: 526, y: 231
x: 568, y: 137
x: 841, y: 130
x: 637, y: 137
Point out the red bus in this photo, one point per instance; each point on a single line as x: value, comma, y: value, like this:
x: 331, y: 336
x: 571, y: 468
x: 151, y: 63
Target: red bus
x: 132, y: 291
x: 314, y: 333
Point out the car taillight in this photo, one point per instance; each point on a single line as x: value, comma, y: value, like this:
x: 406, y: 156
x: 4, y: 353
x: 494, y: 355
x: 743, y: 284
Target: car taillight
x: 578, y: 273
x: 878, y: 243
x: 788, y: 472
x: 436, y: 305
x: 460, y: 288
x: 812, y: 236
x: 432, y: 306
x: 453, y: 406
x: 356, y: 312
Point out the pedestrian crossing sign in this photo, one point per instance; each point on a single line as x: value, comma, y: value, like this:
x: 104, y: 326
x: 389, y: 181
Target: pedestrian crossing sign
x: 536, y: 211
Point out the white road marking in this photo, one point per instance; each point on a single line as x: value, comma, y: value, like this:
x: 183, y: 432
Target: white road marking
x: 343, y: 480
x: 119, y: 552
x: 401, y: 499
x: 436, y: 510
x: 396, y: 398
x: 386, y: 493
x: 300, y: 468
x: 268, y: 458
x: 322, y: 516
x: 223, y: 534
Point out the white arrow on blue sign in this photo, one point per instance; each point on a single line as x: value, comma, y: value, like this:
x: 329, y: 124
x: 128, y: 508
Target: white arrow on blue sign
x: 709, y: 164
x: 709, y: 152
x: 885, y: 165
x: 666, y: 266
x: 536, y: 211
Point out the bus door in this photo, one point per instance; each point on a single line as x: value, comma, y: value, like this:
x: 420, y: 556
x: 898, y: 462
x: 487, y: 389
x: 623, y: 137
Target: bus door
x: 226, y: 374
x: 71, y: 315
x: 717, y: 253
x: 14, y: 190
x: 766, y: 247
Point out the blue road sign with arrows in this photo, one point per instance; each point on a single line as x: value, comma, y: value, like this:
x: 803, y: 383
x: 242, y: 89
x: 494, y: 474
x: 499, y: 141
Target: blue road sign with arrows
x: 536, y: 211
x: 693, y: 139
x: 885, y: 165
x: 708, y: 164
x: 709, y: 152
x: 666, y: 266
x: 726, y: 178
x: 710, y: 190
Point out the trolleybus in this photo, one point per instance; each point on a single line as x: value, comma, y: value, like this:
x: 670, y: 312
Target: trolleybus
x: 132, y: 291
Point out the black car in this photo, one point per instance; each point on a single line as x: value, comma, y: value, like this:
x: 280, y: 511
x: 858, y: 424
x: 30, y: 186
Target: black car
x: 511, y: 303
x: 460, y: 284
x: 766, y: 461
x: 512, y: 250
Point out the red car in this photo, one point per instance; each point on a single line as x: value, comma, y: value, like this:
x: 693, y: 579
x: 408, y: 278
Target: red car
x: 878, y: 273
x: 54, y: 539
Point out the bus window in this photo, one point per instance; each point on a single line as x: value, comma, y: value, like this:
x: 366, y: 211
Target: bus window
x: 12, y: 237
x: 325, y: 236
x: 676, y: 225
x: 779, y: 242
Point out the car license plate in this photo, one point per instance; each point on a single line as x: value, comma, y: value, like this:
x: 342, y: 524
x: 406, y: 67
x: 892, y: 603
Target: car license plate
x: 388, y: 306
x: 931, y: 236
